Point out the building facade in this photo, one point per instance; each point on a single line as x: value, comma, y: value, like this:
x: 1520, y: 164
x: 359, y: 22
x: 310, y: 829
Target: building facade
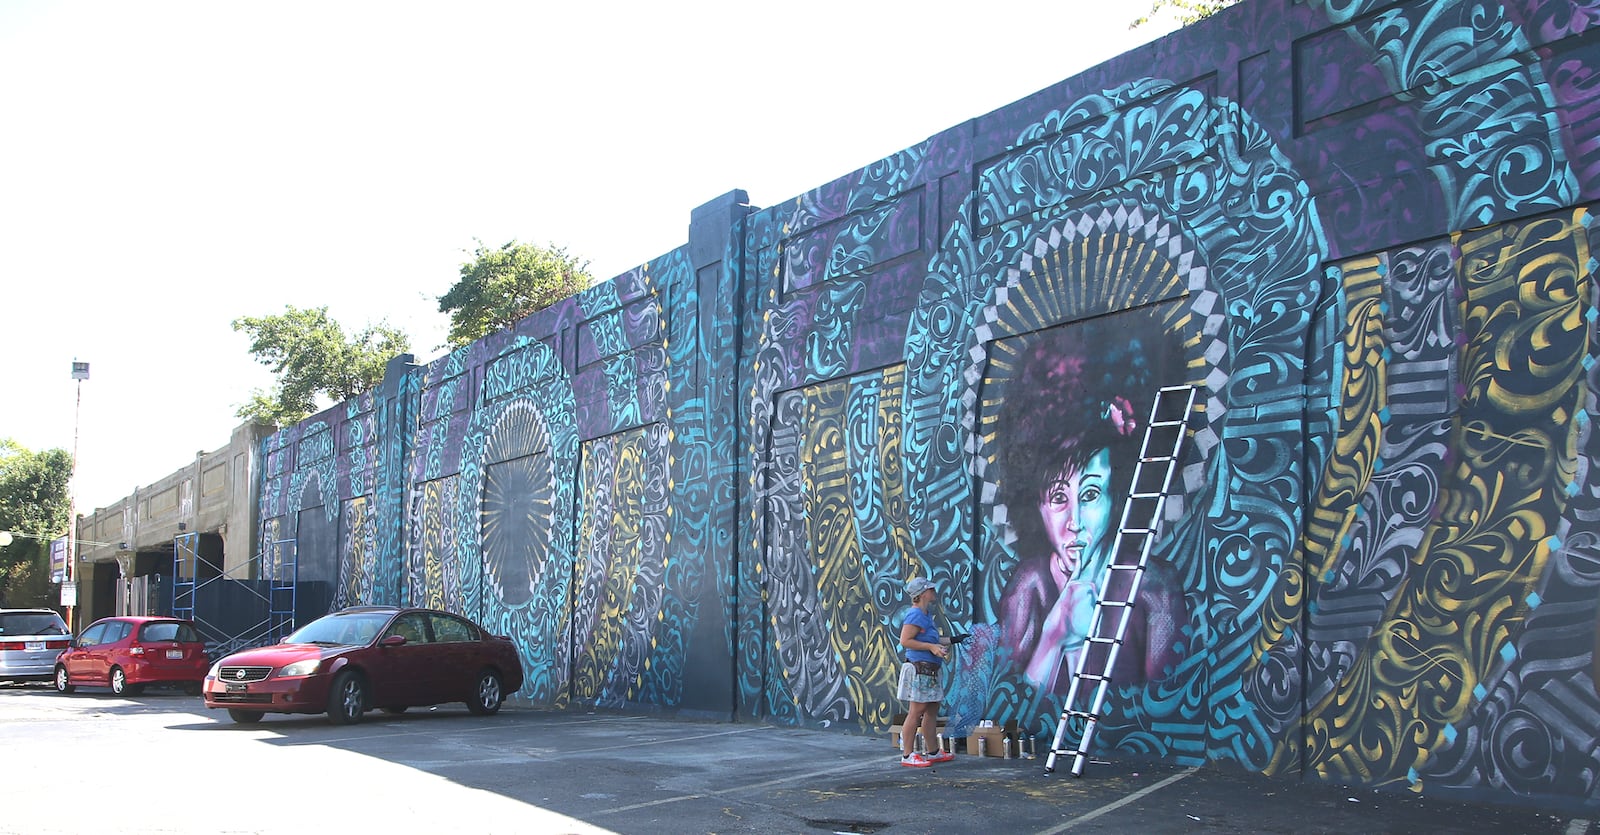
x: 1361, y: 232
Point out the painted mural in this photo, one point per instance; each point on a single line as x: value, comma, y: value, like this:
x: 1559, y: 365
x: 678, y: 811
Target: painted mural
x: 1076, y: 409
x: 1359, y: 231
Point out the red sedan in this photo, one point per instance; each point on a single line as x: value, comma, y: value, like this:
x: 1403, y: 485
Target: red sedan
x: 128, y: 653
x: 349, y: 662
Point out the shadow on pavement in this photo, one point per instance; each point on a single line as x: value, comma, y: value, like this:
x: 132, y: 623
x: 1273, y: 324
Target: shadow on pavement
x: 632, y: 773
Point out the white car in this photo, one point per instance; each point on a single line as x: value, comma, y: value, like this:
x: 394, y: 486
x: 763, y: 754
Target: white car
x: 30, y: 640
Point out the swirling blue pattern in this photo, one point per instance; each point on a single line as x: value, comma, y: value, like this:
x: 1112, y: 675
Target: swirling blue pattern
x: 1495, y: 143
x: 533, y: 383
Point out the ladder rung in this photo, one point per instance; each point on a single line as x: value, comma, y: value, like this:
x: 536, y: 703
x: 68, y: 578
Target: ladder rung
x: 1163, y: 416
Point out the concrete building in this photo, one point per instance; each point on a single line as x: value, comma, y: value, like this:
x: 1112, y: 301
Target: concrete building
x: 200, y: 515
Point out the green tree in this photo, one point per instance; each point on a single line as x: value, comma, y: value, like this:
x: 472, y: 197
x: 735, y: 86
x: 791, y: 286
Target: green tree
x: 33, y: 505
x: 1188, y: 11
x: 313, y: 358
x: 500, y: 286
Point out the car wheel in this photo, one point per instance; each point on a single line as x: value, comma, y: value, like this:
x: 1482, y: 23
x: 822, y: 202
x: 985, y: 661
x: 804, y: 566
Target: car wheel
x: 486, y: 694
x: 348, y: 699
x: 244, y: 717
x: 62, y: 684
x: 395, y: 710
x: 120, y: 685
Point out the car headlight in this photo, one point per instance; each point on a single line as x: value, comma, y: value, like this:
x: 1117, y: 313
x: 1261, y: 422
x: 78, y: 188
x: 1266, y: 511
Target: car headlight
x: 300, y: 668
x: 215, y: 669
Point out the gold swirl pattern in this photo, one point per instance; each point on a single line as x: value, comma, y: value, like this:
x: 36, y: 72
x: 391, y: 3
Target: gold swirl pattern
x: 1350, y: 468
x: 1451, y: 621
x: 613, y: 485
x: 890, y: 464
x: 861, y: 646
x: 833, y: 577
x: 437, y: 549
x: 271, y: 543
x: 357, y: 552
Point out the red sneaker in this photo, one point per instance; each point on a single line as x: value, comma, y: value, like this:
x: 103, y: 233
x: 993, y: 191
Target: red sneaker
x: 915, y: 761
x: 941, y: 757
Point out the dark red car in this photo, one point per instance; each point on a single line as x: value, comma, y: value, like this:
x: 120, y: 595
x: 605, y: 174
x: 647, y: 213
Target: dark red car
x: 125, y: 654
x: 349, y: 662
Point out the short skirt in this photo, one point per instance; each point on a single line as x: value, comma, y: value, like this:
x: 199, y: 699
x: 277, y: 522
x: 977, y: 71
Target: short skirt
x: 915, y: 687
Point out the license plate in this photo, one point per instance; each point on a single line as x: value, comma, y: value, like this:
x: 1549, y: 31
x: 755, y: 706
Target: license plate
x: 236, y: 688
x: 33, y: 646
x: 174, y: 654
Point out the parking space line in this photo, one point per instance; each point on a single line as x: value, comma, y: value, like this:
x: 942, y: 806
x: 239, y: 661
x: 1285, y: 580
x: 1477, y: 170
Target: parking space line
x: 1577, y: 826
x: 628, y: 745
x: 647, y: 804
x: 592, y: 719
x: 1112, y: 807
x: 441, y: 729
x: 397, y: 733
x: 385, y: 735
x: 852, y: 766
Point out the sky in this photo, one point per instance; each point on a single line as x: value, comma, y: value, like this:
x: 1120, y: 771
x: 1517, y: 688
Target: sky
x: 167, y: 167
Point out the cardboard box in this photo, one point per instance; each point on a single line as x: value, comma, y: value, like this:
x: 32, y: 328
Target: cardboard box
x: 991, y: 741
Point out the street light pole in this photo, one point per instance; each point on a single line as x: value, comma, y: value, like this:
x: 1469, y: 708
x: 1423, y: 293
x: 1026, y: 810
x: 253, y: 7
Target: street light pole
x: 80, y: 372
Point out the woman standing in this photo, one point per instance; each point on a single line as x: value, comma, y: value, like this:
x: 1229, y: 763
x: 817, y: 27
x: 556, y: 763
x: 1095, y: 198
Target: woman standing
x: 920, y: 681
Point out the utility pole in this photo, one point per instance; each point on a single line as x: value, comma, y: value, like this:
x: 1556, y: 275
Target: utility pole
x: 69, y: 591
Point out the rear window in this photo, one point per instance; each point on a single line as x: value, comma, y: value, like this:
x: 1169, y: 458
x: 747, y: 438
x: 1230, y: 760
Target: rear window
x: 31, y: 623
x: 169, y: 631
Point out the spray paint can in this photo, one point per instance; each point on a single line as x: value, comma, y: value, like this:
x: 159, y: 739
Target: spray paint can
x: 1029, y: 749
x: 1009, y: 753
x: 983, y: 746
x: 921, y: 746
x: 941, y: 742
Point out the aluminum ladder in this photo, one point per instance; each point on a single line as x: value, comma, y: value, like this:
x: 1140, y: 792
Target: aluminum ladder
x: 1136, y: 536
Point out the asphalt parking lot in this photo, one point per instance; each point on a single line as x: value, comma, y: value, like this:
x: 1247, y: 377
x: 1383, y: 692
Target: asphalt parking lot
x: 162, y: 763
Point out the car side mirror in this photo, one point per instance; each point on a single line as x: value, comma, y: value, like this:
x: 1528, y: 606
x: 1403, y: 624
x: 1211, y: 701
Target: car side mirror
x: 392, y: 641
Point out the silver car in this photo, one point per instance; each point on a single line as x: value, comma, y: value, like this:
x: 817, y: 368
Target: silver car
x: 30, y: 640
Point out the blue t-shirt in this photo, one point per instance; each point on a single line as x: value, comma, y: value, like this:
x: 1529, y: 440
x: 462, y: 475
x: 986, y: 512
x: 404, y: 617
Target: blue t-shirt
x: 927, y: 631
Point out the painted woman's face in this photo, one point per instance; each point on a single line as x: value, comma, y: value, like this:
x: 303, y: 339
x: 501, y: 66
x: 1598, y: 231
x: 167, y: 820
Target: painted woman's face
x: 1076, y: 511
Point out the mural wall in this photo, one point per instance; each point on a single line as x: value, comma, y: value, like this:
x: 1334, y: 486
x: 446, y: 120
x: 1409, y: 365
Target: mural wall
x: 1359, y: 231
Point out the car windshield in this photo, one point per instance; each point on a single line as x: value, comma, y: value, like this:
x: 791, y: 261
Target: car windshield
x: 356, y: 629
x: 31, y: 623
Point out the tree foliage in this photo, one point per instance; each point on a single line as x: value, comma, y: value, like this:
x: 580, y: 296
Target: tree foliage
x: 500, y: 286
x: 34, y: 507
x: 313, y: 359
x: 1188, y: 11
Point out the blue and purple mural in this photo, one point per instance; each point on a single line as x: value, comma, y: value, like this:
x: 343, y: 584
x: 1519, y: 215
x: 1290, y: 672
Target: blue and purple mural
x: 1361, y: 231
